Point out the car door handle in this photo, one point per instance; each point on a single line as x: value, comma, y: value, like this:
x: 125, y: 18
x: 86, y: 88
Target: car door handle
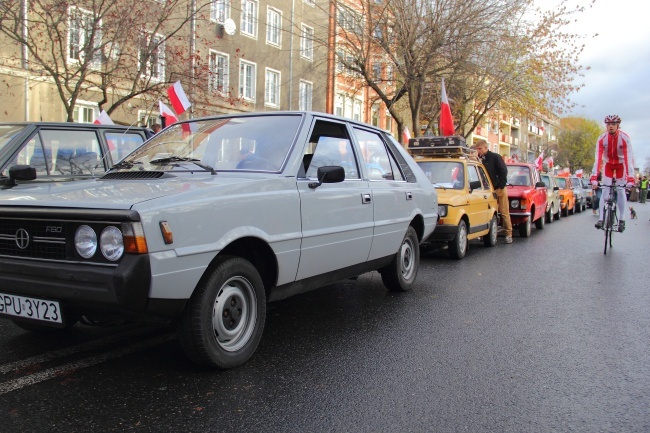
x: 484, y: 196
x: 366, y: 198
x: 409, y: 195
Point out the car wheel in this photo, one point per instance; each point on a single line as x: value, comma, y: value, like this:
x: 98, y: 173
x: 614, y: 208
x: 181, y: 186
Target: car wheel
x: 458, y: 247
x: 224, y: 319
x: 549, y: 215
x: 578, y: 207
x: 490, y: 239
x: 400, y: 274
x: 558, y: 215
x: 540, y: 222
x: 572, y: 211
x: 524, y: 229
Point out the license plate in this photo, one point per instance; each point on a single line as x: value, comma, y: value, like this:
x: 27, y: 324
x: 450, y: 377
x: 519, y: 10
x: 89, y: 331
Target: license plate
x: 30, y: 308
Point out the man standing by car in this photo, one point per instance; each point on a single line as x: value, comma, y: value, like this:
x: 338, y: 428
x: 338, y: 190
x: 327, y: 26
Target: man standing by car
x: 643, y: 189
x: 498, y: 173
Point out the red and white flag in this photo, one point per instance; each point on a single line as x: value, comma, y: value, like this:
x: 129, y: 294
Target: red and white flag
x: 446, y: 121
x: 579, y: 173
x: 103, y: 119
x: 167, y: 113
x: 178, y: 98
x: 549, y: 162
x: 407, y: 135
x: 539, y: 160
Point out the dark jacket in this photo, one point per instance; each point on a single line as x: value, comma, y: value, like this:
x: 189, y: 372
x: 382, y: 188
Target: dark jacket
x: 496, y: 169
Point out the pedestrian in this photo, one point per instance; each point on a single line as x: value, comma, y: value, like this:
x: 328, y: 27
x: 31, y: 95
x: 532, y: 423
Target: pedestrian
x: 643, y: 190
x: 634, y: 192
x: 498, y: 172
x: 156, y: 128
x: 614, y: 157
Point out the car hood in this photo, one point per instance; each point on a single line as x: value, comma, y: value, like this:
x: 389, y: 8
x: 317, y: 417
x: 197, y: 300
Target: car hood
x: 114, y: 194
x: 519, y: 191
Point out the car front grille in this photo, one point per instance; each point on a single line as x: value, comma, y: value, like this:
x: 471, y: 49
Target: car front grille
x: 33, y: 239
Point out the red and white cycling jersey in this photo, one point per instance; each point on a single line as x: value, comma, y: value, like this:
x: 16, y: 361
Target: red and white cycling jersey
x: 614, y: 154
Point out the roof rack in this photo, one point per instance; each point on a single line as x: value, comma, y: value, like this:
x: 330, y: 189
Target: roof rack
x: 453, y: 145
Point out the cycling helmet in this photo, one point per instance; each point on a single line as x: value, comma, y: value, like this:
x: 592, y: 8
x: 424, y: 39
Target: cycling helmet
x: 612, y: 118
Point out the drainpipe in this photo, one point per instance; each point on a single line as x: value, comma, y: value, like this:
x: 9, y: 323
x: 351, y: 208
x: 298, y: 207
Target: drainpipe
x: 293, y: 8
x: 192, y: 54
x: 24, y: 53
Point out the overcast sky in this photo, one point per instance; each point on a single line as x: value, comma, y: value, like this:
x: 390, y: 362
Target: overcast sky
x: 619, y: 79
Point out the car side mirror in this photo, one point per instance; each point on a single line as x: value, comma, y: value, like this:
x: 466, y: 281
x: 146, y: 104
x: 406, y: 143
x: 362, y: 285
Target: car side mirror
x: 20, y: 172
x: 475, y: 184
x: 556, y: 188
x: 328, y: 174
x: 540, y: 185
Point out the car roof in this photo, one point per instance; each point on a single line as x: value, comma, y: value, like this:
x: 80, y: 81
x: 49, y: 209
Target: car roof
x: 72, y: 125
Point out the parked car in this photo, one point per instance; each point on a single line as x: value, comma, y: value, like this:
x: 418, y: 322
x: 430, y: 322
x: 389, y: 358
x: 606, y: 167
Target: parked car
x: 59, y: 151
x: 580, y: 194
x: 527, y: 197
x: 553, y: 207
x: 467, y: 203
x: 588, y: 191
x: 209, y: 220
x: 567, y: 197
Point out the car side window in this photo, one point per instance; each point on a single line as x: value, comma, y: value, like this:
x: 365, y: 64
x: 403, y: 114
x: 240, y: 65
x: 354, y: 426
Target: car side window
x: 329, y: 145
x: 472, y: 174
x: 379, y: 162
x: 34, y: 153
x: 484, y: 179
x: 121, y: 144
x: 72, y: 152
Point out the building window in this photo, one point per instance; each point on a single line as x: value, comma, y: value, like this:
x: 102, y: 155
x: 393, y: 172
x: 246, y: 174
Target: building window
x: 249, y: 17
x: 83, y: 30
x: 376, y: 71
x: 307, y: 42
x: 374, y: 115
x: 389, y: 73
x: 274, y: 27
x: 356, y: 113
x: 349, y: 20
x: 220, y: 10
x: 152, y: 56
x: 247, y: 76
x: 84, y: 112
x: 305, y: 95
x: 310, y: 2
x: 219, y: 67
x: 272, y: 89
x: 146, y: 118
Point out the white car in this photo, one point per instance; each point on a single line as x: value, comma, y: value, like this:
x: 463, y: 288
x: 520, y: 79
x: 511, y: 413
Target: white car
x: 208, y: 221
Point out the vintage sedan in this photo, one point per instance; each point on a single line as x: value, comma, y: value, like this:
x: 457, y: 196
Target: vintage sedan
x: 467, y: 201
x: 553, y: 206
x: 527, y: 197
x: 211, y: 219
x: 580, y: 193
x: 567, y: 197
x: 62, y: 151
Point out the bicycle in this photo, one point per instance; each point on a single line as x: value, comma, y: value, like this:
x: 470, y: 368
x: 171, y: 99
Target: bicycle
x: 610, y: 218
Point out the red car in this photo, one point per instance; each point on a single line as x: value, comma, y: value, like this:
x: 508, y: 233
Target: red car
x: 527, y: 197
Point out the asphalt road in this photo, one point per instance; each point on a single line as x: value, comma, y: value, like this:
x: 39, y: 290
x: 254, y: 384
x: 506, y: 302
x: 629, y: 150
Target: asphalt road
x: 545, y: 334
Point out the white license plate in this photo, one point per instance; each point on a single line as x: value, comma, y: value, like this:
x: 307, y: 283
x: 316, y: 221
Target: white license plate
x: 31, y: 308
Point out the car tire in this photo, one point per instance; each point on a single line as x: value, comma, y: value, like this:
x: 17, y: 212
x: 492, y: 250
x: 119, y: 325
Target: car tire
x: 572, y: 211
x: 540, y: 222
x: 400, y: 274
x: 578, y: 207
x: 558, y: 215
x: 490, y: 239
x: 458, y: 246
x: 525, y: 229
x: 549, y: 215
x: 224, y: 319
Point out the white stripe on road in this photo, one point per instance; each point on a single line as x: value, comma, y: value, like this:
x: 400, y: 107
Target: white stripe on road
x: 39, y: 359
x: 35, y: 378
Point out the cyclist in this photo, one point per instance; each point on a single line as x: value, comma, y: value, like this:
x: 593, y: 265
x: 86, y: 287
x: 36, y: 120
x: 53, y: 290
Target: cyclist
x: 614, y: 156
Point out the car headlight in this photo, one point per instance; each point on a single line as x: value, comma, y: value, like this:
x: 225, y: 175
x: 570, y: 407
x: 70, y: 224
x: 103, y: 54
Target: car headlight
x: 85, y: 241
x: 111, y: 243
x: 442, y: 210
x: 514, y: 204
x: 561, y: 197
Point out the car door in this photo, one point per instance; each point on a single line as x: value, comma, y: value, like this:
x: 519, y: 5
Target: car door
x: 337, y: 218
x: 478, y: 201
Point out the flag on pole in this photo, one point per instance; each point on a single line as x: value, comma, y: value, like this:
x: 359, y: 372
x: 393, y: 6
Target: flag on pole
x: 446, y: 121
x: 549, y: 162
x: 178, y: 98
x: 407, y: 135
x: 167, y: 113
x: 103, y: 119
x: 579, y: 173
x: 539, y: 160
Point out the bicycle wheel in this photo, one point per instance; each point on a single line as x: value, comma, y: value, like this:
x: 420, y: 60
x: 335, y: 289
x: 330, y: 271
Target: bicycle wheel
x: 608, y: 226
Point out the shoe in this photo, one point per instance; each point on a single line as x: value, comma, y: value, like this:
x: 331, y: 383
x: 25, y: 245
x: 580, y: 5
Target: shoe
x: 621, y: 226
x: 508, y: 240
x: 594, y: 212
x: 599, y: 225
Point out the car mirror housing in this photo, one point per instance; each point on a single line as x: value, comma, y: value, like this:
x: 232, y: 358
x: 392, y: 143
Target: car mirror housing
x: 20, y: 172
x: 556, y: 188
x: 540, y: 185
x: 328, y: 174
x: 475, y: 184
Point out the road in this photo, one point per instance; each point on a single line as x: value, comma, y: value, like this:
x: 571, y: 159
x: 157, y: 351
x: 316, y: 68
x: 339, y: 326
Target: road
x: 545, y: 334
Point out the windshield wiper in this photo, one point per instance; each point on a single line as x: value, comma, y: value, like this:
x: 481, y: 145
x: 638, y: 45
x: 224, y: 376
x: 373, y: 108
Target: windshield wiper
x: 125, y: 164
x: 435, y: 185
x: 183, y: 159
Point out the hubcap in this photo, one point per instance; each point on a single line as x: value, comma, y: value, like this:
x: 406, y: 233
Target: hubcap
x: 233, y: 314
x: 408, y: 259
x: 462, y: 239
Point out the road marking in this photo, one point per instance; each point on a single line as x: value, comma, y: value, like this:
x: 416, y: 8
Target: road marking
x: 39, y: 359
x: 42, y: 376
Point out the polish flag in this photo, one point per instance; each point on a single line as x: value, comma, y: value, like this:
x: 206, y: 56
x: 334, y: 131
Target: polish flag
x: 446, y: 121
x: 407, y: 135
x: 539, y: 160
x: 103, y: 119
x: 549, y: 162
x: 579, y: 173
x: 167, y: 113
x: 178, y: 98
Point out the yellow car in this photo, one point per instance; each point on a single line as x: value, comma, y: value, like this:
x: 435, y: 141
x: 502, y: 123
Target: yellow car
x: 467, y: 203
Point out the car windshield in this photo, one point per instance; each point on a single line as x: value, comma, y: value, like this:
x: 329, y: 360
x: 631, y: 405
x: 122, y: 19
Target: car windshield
x: 561, y: 182
x: 518, y: 175
x: 444, y: 174
x: 7, y: 132
x: 251, y: 143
